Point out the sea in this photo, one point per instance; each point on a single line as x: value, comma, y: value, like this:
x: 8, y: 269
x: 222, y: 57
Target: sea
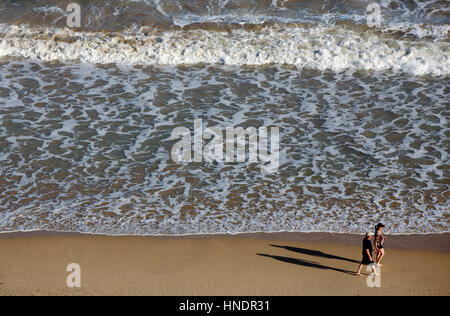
x: 92, y: 91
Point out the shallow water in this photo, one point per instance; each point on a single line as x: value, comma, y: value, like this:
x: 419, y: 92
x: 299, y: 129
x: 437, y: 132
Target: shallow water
x: 87, y: 148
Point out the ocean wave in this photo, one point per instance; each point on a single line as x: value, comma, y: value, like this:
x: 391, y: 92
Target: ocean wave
x: 317, y: 47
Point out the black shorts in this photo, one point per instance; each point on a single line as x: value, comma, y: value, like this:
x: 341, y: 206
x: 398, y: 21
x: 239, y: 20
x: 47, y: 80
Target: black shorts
x: 366, y: 260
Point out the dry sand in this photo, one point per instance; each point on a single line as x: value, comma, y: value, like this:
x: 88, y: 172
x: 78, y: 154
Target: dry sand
x: 249, y: 264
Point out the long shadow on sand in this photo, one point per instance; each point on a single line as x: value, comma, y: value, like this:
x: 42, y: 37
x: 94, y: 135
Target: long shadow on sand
x: 316, y: 253
x: 305, y: 263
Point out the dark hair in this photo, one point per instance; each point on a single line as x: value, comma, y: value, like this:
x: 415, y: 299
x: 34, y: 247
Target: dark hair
x: 379, y: 225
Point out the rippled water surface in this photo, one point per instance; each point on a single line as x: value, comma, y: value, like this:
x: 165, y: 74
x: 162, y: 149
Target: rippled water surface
x: 86, y: 115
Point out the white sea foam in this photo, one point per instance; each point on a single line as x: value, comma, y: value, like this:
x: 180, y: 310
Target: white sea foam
x: 321, y: 48
x: 87, y: 148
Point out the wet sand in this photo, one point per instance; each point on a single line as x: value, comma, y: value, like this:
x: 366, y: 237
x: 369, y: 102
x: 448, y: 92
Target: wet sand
x: 248, y: 264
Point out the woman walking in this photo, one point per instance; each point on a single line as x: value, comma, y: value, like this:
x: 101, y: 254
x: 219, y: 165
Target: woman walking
x: 379, y: 243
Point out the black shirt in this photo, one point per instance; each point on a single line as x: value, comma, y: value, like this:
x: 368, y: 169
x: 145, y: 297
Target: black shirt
x: 367, y: 245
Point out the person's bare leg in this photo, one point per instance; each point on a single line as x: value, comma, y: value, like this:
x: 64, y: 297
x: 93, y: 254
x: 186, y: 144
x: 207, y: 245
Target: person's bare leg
x: 358, y: 273
x: 379, y: 257
x: 374, y: 270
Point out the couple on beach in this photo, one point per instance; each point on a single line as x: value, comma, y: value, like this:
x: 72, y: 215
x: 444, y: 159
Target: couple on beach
x: 378, y: 242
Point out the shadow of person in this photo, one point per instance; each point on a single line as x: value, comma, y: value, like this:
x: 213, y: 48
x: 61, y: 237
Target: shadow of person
x: 305, y: 263
x: 315, y: 253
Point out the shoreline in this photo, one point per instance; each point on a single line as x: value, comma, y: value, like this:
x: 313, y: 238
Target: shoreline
x: 439, y: 242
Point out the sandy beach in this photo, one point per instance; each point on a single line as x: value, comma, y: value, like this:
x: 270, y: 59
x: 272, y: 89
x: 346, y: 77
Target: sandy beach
x: 249, y: 264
